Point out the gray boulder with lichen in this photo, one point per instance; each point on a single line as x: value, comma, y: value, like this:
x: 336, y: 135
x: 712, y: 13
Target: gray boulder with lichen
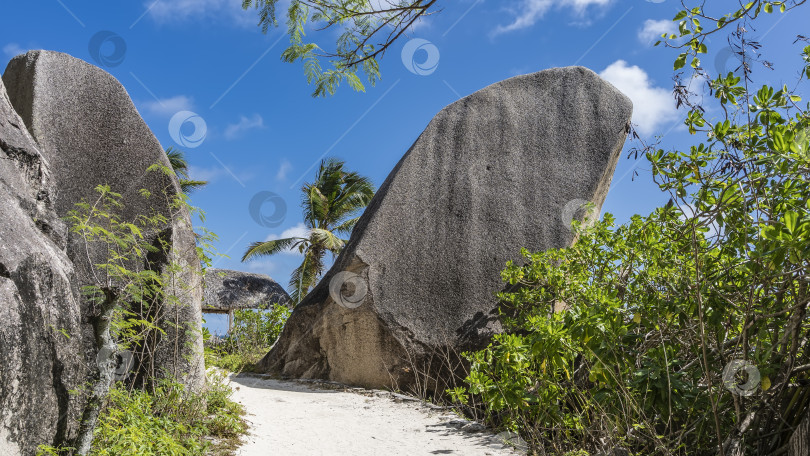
x: 88, y: 129
x: 227, y: 290
x: 41, y: 346
x: 504, y: 168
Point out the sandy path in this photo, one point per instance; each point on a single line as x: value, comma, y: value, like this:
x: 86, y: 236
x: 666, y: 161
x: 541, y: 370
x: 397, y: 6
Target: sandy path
x: 290, y: 418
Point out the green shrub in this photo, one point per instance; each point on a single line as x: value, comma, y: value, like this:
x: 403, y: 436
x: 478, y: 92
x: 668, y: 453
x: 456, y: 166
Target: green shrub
x: 168, y: 421
x: 683, y: 332
x: 252, y: 335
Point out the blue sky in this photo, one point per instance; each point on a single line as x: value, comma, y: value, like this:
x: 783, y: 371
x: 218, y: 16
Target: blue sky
x: 264, y: 133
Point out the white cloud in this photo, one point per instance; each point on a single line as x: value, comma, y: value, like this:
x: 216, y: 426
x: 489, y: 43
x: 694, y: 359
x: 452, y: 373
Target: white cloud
x: 299, y: 230
x: 652, y: 30
x: 283, y: 169
x: 652, y: 106
x: 262, y: 266
x: 206, y: 174
x: 219, y: 10
x: 233, y: 131
x: 13, y: 50
x: 531, y: 11
x: 166, y: 107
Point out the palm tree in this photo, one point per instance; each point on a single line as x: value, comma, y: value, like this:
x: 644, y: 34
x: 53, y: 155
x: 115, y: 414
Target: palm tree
x: 180, y: 166
x: 331, y: 204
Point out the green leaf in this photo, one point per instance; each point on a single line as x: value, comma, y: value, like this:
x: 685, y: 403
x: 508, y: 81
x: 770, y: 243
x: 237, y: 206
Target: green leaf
x: 680, y: 62
x: 791, y: 221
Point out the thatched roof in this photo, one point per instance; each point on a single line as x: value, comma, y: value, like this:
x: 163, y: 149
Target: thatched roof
x: 226, y: 290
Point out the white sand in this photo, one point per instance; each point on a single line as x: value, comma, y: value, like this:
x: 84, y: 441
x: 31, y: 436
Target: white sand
x: 291, y: 418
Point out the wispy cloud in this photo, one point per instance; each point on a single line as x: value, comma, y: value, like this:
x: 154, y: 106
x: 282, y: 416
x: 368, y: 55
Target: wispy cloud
x: 13, y: 50
x: 173, y: 11
x: 651, y: 30
x: 207, y: 174
x: 166, y: 107
x: 283, y: 169
x: 652, y: 106
x: 233, y: 131
x: 529, y: 12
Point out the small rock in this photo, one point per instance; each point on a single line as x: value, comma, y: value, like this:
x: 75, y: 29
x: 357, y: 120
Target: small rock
x: 226, y: 289
x: 473, y: 428
x: 458, y: 424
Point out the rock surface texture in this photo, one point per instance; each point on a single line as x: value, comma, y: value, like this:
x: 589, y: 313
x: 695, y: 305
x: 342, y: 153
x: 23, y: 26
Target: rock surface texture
x: 226, y: 290
x: 38, y: 300
x: 88, y: 129
x: 504, y: 168
x: 799, y: 444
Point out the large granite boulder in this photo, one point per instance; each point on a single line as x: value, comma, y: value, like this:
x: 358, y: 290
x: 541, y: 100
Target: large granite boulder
x: 88, y: 129
x: 226, y: 290
x: 41, y: 349
x: 504, y: 168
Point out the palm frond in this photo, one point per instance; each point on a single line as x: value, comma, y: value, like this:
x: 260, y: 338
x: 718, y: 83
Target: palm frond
x: 346, y: 227
x: 305, y: 276
x: 178, y: 162
x: 318, y: 204
x: 267, y: 248
x: 350, y: 206
x: 179, y: 165
x: 333, y: 197
x: 326, y: 239
x: 187, y: 186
